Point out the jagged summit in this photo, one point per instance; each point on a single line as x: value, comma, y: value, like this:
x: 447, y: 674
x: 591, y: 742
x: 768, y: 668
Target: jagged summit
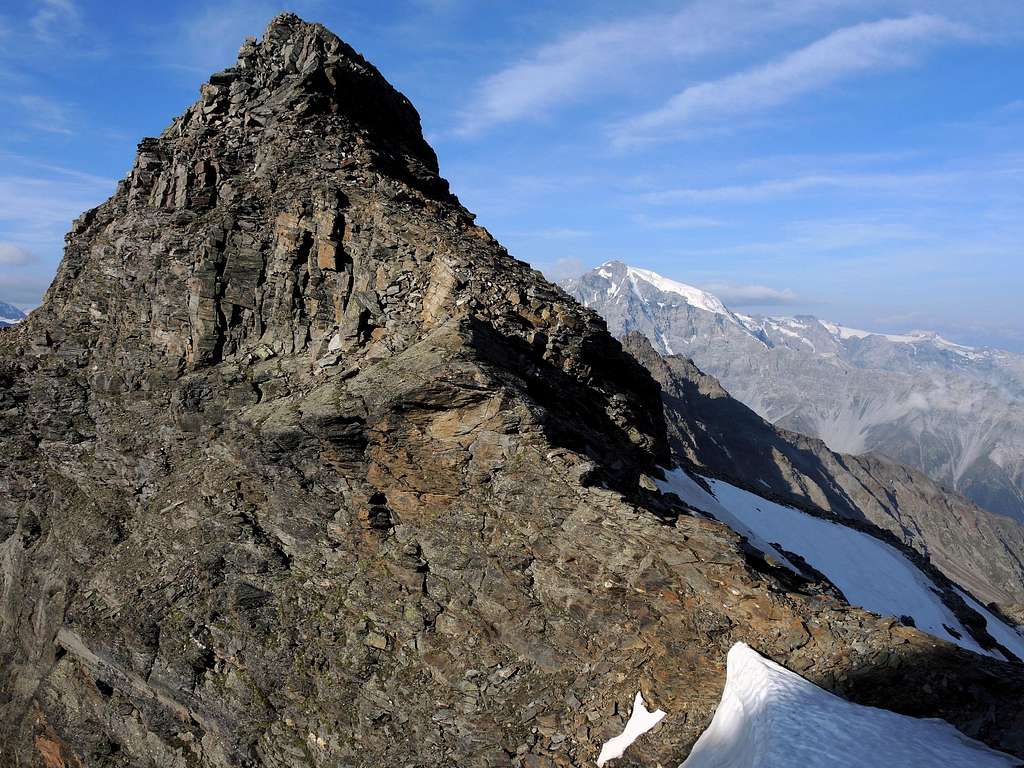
x: 295, y: 209
x: 298, y: 466
x: 298, y: 71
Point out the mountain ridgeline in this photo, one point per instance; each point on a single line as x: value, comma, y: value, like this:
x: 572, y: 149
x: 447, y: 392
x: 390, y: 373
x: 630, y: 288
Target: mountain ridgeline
x: 955, y: 413
x: 301, y: 468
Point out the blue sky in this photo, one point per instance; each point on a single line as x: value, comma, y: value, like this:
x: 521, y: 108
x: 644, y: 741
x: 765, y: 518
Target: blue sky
x: 860, y: 160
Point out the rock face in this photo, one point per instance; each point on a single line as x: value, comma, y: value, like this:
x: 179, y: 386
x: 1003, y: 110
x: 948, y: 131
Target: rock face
x: 300, y: 467
x: 955, y: 413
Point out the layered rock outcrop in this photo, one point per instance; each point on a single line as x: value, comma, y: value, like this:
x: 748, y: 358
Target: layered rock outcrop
x: 300, y: 467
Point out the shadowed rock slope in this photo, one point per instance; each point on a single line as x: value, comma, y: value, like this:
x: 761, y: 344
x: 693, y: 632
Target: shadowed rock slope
x: 300, y: 468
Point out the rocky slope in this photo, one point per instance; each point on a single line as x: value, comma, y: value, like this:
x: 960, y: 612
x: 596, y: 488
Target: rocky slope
x: 300, y: 467
x: 716, y: 434
x: 953, y: 412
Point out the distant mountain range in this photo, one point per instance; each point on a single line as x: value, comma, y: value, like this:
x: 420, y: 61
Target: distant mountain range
x: 952, y: 411
x: 10, y: 315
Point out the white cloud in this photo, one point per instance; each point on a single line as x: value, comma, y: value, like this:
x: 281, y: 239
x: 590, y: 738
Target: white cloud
x: 210, y: 40
x: 56, y: 20
x: 21, y: 289
x: 38, y: 205
x: 562, y: 269
x: 739, y: 295
x: 553, y: 233
x: 12, y: 255
x: 44, y: 114
x: 612, y: 55
x: 842, y: 54
x: 772, y: 189
x: 678, y: 222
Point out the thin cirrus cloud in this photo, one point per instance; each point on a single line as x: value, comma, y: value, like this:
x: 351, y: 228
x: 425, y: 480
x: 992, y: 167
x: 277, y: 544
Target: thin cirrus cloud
x: 678, y: 222
x: 772, y: 189
x: 12, y: 255
x: 611, y: 55
x: 738, y: 295
x: 55, y: 19
x: 44, y: 114
x: 846, y: 52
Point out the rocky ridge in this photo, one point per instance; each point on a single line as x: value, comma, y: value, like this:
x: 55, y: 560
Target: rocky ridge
x: 300, y: 467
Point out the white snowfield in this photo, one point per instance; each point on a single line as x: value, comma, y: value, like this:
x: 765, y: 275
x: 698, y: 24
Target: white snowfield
x: 640, y: 722
x: 695, y: 297
x: 870, y: 573
x: 770, y: 717
x: 1007, y: 636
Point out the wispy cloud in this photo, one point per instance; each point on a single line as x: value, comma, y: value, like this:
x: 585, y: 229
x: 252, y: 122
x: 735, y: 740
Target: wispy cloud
x: 562, y: 269
x: 38, y: 203
x: 553, y: 233
x: 44, y: 114
x: 12, y: 255
x: 209, y: 39
x: 609, y: 55
x: 23, y: 289
x: 772, y: 189
x: 56, y: 20
x: 677, y: 222
x: 853, y: 50
x: 741, y: 295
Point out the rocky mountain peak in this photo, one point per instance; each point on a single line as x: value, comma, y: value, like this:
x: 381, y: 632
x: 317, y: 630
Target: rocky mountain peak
x: 298, y: 72
x: 298, y: 466
x: 293, y: 219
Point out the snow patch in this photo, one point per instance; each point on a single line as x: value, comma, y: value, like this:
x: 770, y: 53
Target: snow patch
x: 686, y: 488
x: 770, y: 716
x: 869, y: 572
x: 1007, y: 636
x: 665, y: 344
x: 640, y: 722
x: 844, y: 333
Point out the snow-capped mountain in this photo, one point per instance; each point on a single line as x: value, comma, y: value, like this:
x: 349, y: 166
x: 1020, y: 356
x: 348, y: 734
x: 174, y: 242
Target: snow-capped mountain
x: 955, y: 412
x: 10, y: 315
